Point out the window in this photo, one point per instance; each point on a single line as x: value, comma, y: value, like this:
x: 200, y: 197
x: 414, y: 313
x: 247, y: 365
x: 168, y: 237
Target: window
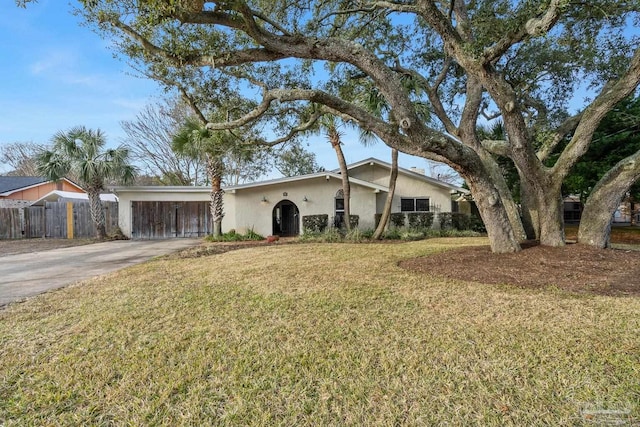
x: 414, y: 205
x: 422, y: 205
x: 407, y: 205
x: 338, y: 219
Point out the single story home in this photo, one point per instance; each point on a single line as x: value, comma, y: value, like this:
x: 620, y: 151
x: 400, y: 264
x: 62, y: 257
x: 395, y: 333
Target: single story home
x: 276, y: 207
x: 21, y: 191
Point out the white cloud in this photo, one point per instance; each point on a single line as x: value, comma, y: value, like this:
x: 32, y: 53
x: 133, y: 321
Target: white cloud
x: 52, y: 62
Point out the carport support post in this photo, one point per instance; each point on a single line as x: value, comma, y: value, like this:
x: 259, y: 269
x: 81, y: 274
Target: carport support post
x: 69, y: 220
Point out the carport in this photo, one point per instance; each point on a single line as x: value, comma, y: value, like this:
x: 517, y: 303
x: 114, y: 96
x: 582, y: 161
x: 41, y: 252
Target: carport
x: 164, y: 212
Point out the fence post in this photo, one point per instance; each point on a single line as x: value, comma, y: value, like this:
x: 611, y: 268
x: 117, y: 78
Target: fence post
x: 69, y: 220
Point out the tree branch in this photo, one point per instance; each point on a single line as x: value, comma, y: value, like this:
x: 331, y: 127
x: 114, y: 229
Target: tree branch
x: 296, y: 130
x: 610, y: 95
x: 227, y: 59
x: 533, y: 27
x: 560, y: 133
x: 494, y: 146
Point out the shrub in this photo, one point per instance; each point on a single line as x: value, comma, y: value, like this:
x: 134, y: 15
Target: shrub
x: 392, y: 234
x: 397, y: 219
x: 409, y: 235
x: 331, y: 235
x: 367, y: 233
x: 353, y: 221
x: 445, y: 220
x: 477, y: 225
x: 355, y: 235
x: 461, y: 221
x: 233, y: 236
x: 420, y: 220
x: 459, y: 233
x: 315, y: 223
x: 252, y: 235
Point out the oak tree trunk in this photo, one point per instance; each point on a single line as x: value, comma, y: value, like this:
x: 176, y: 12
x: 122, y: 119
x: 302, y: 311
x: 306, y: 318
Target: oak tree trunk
x: 595, y: 223
x: 542, y: 209
x: 529, y: 208
x: 505, y: 194
x: 552, y: 219
x: 494, y: 215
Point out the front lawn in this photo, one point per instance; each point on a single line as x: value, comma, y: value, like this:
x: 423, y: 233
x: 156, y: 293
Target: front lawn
x: 316, y: 334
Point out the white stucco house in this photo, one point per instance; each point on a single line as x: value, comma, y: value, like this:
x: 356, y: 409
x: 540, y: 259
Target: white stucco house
x: 276, y: 207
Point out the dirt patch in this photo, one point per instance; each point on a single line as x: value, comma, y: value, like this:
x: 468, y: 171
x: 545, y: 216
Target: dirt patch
x: 214, y: 248
x: 574, y: 268
x: 25, y: 246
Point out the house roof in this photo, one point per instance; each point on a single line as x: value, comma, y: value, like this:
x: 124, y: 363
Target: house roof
x: 413, y: 174
x: 335, y: 174
x: 298, y: 178
x: 11, y: 184
x: 234, y: 188
x: 56, y: 195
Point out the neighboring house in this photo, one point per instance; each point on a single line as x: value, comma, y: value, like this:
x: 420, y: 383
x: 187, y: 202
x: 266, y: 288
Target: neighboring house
x: 277, y: 206
x: 20, y: 191
x: 572, y: 207
x: 627, y: 212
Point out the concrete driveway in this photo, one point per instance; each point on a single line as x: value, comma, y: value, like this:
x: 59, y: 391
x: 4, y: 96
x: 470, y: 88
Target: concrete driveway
x: 25, y: 275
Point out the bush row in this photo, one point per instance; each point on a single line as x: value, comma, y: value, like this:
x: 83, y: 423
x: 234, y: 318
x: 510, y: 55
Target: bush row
x: 412, y: 220
x: 335, y: 235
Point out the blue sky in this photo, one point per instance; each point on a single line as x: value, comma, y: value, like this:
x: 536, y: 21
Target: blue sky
x: 57, y: 74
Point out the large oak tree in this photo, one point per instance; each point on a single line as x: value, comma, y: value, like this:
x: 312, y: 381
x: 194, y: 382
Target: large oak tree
x: 440, y: 67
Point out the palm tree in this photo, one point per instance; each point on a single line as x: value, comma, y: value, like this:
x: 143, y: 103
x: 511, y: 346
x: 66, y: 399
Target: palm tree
x: 335, y: 140
x: 80, y: 153
x: 386, y: 211
x: 196, y: 141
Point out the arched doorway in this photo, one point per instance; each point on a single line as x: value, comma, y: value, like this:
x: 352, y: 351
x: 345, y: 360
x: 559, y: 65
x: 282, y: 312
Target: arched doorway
x: 286, y: 219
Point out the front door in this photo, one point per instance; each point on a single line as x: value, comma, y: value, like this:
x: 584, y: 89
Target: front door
x: 286, y: 219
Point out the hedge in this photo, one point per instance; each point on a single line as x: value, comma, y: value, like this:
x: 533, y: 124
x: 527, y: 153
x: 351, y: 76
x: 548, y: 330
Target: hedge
x: 420, y: 220
x: 315, y: 223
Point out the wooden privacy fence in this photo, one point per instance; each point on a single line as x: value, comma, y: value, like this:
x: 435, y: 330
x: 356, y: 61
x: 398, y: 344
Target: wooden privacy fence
x: 59, y: 220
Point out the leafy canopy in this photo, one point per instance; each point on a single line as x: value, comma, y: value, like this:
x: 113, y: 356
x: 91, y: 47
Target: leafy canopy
x: 81, y: 153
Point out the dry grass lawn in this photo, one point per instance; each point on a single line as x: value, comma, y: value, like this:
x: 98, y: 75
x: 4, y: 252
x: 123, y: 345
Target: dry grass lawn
x: 316, y: 334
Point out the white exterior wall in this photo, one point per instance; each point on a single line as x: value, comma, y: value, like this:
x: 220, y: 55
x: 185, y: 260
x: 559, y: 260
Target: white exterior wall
x: 252, y: 212
x: 407, y: 186
x: 414, y: 188
x: 245, y: 210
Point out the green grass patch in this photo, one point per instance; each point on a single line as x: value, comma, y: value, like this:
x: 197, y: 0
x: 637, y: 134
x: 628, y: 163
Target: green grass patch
x: 310, y: 334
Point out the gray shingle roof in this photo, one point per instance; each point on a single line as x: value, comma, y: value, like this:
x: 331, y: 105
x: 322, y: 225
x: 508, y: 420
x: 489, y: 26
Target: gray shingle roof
x: 11, y: 183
